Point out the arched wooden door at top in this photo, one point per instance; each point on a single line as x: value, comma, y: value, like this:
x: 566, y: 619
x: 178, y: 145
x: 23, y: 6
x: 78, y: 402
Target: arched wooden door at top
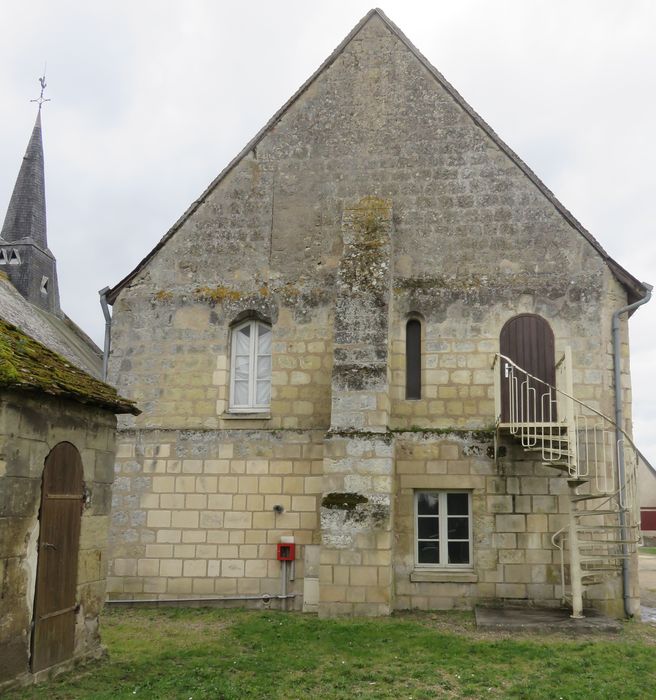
x: 62, y: 494
x: 528, y: 341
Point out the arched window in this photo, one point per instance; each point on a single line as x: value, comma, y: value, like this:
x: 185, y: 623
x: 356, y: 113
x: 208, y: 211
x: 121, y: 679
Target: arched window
x: 413, y: 359
x: 527, y: 339
x: 250, y: 366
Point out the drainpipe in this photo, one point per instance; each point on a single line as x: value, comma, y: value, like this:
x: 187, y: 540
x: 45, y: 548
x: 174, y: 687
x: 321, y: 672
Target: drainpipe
x: 619, y: 437
x: 108, y: 330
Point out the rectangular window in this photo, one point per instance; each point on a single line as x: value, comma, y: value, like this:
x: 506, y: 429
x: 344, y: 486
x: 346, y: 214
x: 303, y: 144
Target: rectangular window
x: 250, y: 376
x: 443, y: 529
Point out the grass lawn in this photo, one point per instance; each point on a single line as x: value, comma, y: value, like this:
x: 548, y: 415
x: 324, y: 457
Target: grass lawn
x: 647, y: 550
x: 213, y: 653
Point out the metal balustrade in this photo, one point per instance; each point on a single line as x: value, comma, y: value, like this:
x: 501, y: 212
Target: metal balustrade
x: 576, y: 438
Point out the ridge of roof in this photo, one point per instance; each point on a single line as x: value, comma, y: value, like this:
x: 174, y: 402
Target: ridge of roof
x: 636, y: 289
x: 27, y: 365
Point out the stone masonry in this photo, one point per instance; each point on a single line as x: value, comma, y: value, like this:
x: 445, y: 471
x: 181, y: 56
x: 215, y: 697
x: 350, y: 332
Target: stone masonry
x: 374, y: 196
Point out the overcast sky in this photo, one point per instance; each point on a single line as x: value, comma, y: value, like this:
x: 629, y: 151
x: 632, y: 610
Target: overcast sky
x: 151, y: 99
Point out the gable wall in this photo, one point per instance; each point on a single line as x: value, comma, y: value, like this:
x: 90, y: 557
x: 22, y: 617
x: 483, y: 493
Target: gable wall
x: 473, y: 243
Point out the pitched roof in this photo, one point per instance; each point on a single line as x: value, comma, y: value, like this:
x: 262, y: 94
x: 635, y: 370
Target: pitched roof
x: 25, y: 220
x: 59, y: 334
x: 26, y: 365
x: 635, y: 289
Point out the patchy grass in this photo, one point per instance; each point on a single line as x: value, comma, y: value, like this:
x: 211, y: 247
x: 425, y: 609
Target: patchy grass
x: 232, y: 654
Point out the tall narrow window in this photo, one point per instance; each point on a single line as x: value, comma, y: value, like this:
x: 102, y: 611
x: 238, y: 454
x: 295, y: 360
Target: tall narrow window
x: 413, y: 359
x: 250, y: 377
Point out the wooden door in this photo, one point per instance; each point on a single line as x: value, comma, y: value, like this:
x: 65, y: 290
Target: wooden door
x: 528, y: 341
x: 62, y: 496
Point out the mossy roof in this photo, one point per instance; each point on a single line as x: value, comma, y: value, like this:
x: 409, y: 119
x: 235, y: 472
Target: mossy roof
x: 27, y: 365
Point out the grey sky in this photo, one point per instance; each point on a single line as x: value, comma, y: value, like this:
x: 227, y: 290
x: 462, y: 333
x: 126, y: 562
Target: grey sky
x: 151, y: 99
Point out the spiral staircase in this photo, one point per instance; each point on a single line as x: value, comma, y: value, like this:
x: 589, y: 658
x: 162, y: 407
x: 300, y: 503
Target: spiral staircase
x: 596, y: 457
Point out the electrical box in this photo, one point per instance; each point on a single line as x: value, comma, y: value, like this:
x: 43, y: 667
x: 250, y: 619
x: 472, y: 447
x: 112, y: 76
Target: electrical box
x: 286, y: 551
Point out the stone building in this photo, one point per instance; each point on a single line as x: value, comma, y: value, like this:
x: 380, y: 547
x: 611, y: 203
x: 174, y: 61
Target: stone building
x: 57, y: 431
x: 313, y: 345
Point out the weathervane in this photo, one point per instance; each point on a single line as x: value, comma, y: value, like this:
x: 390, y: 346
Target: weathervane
x: 41, y: 99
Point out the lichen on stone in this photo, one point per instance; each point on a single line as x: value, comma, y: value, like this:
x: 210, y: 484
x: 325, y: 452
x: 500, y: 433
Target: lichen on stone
x: 216, y: 295
x: 343, y: 501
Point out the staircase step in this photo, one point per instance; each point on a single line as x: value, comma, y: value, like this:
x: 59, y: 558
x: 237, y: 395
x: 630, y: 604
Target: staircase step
x: 586, y: 496
x: 587, y: 513
x: 560, y: 452
x: 603, y: 557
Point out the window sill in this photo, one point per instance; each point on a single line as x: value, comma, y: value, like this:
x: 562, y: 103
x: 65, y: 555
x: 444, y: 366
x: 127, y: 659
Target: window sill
x: 443, y: 576
x: 258, y: 415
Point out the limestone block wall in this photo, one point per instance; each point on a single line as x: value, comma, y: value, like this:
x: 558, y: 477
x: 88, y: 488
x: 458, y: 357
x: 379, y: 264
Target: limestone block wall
x: 30, y: 427
x: 193, y: 512
x: 464, y: 238
x: 517, y: 505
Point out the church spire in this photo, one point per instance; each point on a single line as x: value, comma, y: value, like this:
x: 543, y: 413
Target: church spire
x: 24, y: 253
x: 26, y: 216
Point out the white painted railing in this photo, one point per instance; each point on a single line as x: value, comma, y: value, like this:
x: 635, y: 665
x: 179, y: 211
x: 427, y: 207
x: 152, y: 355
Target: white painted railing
x: 571, y: 435
x: 563, y: 430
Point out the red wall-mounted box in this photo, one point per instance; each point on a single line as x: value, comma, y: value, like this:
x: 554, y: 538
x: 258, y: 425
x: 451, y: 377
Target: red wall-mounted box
x: 286, y: 551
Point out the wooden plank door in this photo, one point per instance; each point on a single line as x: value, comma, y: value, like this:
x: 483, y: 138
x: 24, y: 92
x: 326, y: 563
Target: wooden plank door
x: 528, y: 341
x: 62, y: 492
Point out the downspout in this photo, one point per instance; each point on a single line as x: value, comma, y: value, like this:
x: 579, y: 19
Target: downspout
x: 619, y: 438
x: 108, y: 330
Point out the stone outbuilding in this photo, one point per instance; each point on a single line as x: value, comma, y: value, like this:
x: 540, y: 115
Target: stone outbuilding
x: 378, y: 346
x: 57, y: 431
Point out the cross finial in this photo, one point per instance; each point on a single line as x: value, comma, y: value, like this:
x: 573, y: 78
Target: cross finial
x: 41, y: 99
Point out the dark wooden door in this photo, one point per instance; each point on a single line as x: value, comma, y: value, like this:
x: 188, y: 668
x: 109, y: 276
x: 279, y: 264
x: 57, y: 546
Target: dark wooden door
x: 528, y: 341
x: 53, y: 637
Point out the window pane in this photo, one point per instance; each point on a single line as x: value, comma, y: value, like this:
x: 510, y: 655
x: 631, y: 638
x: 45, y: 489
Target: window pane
x: 263, y: 391
x: 241, y: 368
x: 241, y: 393
x: 458, y: 552
x: 244, y: 341
x: 428, y: 528
x: 264, y: 340
x: 458, y: 528
x: 458, y: 503
x: 427, y: 504
x: 428, y: 553
x: 264, y: 367
x: 413, y: 360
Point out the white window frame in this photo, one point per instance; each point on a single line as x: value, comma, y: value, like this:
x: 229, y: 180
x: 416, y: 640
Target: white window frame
x: 443, y: 538
x: 252, y: 406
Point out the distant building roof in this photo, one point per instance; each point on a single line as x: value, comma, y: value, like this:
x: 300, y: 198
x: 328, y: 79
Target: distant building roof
x: 26, y: 365
x: 59, y: 334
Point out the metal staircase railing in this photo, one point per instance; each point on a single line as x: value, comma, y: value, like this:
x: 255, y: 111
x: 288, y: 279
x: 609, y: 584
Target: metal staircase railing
x: 574, y: 437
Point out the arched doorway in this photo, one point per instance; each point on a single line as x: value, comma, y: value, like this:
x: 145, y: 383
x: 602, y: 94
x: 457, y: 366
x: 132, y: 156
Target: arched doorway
x: 62, y: 494
x: 527, y: 339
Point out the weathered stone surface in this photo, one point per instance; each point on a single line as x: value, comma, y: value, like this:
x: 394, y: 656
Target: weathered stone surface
x: 376, y: 197
x: 29, y: 429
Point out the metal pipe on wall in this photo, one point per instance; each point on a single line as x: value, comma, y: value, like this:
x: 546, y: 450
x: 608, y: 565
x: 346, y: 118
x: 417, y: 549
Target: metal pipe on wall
x: 108, y: 330
x: 619, y: 439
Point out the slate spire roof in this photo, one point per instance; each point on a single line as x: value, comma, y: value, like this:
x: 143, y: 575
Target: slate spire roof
x: 25, y: 220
